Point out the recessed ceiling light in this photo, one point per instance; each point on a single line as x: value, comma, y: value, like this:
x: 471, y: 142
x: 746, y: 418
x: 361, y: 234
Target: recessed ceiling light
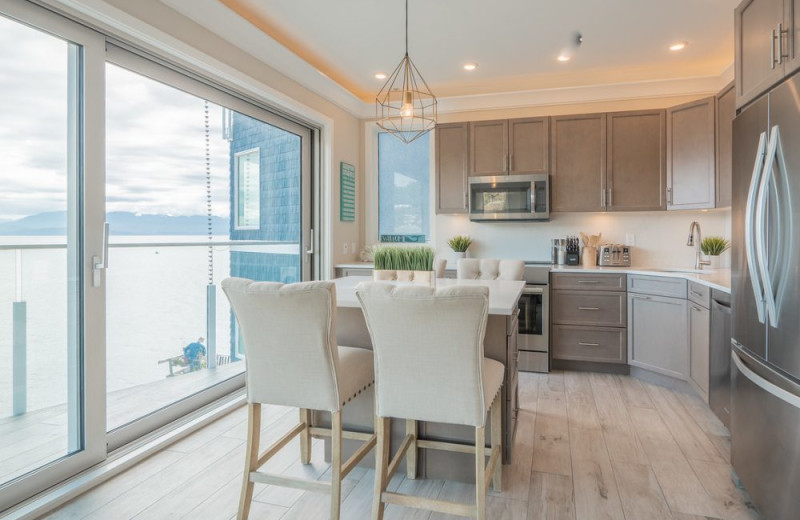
x: 380, y: 75
x: 564, y: 57
x: 470, y: 66
x: 678, y: 46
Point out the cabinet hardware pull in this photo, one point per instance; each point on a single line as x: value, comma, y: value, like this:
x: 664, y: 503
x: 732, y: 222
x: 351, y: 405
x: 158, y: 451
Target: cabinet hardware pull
x: 588, y: 344
x: 588, y: 308
x: 641, y: 297
x: 669, y: 196
x: 610, y: 197
x: 603, y: 197
x: 772, y: 51
x: 696, y: 293
x: 588, y: 281
x: 696, y: 309
x: 511, y: 162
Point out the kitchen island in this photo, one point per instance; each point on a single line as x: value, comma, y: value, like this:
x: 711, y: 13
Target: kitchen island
x: 500, y: 343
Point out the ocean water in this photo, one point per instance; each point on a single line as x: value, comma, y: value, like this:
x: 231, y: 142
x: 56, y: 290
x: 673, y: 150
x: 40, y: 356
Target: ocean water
x: 155, y: 301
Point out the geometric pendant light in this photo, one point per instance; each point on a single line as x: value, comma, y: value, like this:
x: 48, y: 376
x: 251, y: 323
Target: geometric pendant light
x: 405, y: 106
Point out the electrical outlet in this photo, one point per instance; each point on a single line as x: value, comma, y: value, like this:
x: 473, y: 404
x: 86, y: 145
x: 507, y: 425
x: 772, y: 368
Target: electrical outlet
x: 344, y: 248
x: 630, y: 239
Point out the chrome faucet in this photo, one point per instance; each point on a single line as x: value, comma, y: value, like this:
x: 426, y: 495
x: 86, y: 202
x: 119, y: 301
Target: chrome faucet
x: 698, y: 262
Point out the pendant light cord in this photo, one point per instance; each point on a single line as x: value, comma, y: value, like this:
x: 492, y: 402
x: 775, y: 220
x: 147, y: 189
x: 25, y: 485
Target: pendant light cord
x: 406, y: 27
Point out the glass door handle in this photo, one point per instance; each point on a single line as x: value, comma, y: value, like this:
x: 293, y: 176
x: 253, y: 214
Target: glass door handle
x: 310, y: 250
x: 100, y: 263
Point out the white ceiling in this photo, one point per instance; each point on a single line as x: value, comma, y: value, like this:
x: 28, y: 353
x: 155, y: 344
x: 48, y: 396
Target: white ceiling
x: 515, y: 42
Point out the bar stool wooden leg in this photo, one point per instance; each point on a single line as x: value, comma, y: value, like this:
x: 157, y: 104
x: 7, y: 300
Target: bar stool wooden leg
x: 305, y: 436
x: 480, y: 473
x: 336, y: 464
x: 411, y: 457
x: 251, y: 458
x: 382, y: 432
x: 497, y: 443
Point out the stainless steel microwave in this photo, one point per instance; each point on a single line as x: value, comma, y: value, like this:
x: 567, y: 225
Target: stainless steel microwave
x: 509, y: 197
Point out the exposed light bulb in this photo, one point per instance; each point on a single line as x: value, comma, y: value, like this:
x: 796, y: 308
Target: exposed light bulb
x: 678, y: 46
x: 470, y: 66
x: 564, y: 57
x: 380, y: 75
x: 407, y: 110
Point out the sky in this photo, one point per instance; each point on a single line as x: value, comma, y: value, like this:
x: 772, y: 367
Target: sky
x: 155, y: 136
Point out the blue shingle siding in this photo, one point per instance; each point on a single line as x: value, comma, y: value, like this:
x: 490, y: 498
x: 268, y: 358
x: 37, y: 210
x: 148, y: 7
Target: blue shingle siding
x: 279, y: 165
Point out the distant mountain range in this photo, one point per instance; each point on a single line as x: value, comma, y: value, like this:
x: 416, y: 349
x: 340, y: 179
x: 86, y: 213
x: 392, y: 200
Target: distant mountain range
x: 120, y: 222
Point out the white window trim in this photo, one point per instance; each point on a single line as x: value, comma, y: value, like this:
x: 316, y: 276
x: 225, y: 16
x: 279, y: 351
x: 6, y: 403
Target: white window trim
x: 236, y: 156
x: 371, y: 210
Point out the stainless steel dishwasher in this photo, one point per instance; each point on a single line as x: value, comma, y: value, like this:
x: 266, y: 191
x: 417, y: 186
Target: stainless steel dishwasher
x: 719, y: 384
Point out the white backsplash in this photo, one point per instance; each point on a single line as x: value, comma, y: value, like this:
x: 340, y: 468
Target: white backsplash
x: 660, y: 236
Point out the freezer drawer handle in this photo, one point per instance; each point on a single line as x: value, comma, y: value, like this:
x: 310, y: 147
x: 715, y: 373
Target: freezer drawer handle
x: 765, y: 385
x: 588, y: 308
x: 588, y: 281
x: 584, y: 344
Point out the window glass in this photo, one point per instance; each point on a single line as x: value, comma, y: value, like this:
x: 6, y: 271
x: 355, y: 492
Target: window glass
x: 403, y: 189
x: 247, y: 189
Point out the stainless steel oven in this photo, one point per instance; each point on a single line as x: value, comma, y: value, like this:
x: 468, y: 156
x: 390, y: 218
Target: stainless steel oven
x: 534, y: 322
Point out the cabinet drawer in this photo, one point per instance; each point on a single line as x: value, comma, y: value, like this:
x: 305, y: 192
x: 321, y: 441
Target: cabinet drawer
x: 700, y: 294
x: 589, y: 282
x: 599, y: 344
x: 657, y: 286
x: 589, y: 308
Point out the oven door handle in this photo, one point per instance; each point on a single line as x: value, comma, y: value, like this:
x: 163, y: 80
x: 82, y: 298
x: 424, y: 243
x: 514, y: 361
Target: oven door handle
x: 533, y: 290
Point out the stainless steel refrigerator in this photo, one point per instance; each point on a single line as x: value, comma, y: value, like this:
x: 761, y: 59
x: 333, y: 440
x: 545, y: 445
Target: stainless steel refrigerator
x: 765, y: 372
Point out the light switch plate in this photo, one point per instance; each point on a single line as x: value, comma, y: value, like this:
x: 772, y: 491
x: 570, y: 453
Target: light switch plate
x: 630, y: 239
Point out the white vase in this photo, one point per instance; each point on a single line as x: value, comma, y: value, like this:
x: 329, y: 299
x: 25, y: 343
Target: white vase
x: 458, y: 255
x: 715, y: 261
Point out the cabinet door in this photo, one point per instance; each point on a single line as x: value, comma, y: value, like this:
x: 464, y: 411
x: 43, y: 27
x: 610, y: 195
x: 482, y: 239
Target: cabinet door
x: 791, y: 42
x: 726, y: 112
x: 636, y: 166
x: 657, y: 334
x: 488, y: 148
x: 691, y: 156
x: 757, y: 66
x: 699, y: 331
x: 578, y: 155
x: 529, y: 148
x: 452, y: 162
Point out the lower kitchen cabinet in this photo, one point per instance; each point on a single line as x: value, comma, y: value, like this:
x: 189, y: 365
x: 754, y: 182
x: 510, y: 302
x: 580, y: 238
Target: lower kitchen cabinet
x: 657, y: 334
x: 597, y: 344
x: 699, y: 331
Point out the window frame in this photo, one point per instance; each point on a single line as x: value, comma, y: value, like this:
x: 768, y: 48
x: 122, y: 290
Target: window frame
x: 236, y: 225
x: 372, y: 186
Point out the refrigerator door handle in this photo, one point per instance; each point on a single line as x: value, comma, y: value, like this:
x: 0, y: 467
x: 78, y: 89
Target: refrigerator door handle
x: 780, y: 393
x: 749, y: 224
x: 761, y: 225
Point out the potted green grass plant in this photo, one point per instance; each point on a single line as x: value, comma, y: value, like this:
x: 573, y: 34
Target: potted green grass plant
x: 459, y: 244
x: 712, y: 247
x: 404, y: 264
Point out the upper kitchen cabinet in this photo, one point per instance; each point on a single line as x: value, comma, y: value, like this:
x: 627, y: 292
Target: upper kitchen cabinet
x: 529, y: 142
x: 578, y: 155
x: 691, y: 160
x: 452, y: 164
x: 488, y: 148
x: 636, y: 154
x: 515, y: 146
x: 766, y: 45
x: 726, y: 112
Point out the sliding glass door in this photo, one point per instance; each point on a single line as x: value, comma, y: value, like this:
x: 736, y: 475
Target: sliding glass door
x: 129, y: 191
x: 46, y: 349
x: 199, y: 187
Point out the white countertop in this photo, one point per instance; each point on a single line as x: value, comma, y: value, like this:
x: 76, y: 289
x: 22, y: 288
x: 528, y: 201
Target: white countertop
x: 503, y: 294
x: 719, y: 279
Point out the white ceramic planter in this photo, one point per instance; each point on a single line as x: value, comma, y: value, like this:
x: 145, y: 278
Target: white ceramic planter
x: 414, y: 277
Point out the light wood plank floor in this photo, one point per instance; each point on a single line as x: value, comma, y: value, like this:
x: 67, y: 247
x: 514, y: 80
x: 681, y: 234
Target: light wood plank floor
x: 588, y: 446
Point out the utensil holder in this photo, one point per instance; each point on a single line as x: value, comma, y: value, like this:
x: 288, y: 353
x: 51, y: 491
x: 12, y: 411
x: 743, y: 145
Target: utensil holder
x: 589, y: 256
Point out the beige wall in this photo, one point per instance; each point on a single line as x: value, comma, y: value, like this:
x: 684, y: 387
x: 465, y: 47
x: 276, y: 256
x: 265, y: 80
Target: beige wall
x: 346, y: 129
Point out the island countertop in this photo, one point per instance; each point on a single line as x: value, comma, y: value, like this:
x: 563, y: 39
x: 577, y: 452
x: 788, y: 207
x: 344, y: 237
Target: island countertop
x: 503, y: 294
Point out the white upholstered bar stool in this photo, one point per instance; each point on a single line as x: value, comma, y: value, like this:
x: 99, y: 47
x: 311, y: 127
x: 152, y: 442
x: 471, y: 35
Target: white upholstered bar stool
x: 490, y: 269
x: 289, y: 333
x: 429, y: 366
